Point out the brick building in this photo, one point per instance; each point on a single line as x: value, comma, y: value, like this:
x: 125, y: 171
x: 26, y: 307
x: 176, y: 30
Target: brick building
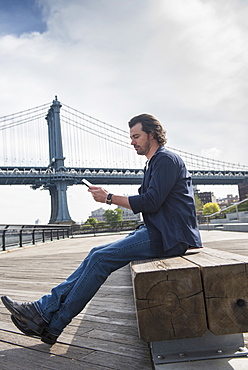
x: 243, y: 190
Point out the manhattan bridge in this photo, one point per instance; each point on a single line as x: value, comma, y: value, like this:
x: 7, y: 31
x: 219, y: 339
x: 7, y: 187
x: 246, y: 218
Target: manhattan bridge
x: 52, y: 148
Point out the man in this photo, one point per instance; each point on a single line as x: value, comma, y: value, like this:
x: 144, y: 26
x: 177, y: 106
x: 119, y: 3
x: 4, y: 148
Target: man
x: 167, y: 203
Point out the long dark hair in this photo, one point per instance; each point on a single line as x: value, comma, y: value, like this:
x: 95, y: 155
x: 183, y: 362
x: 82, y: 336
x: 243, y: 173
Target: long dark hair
x: 150, y: 124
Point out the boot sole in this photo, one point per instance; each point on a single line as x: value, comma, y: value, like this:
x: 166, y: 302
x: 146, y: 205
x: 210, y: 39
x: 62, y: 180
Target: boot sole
x: 29, y: 333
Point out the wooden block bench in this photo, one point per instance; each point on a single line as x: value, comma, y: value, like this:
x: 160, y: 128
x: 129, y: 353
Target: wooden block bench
x: 184, y: 297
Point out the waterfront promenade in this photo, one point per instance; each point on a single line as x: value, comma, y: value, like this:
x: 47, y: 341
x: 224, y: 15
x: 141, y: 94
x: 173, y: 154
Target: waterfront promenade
x: 104, y: 335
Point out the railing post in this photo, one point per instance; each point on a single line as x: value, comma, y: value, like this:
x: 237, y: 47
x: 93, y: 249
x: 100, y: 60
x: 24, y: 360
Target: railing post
x: 20, y: 236
x: 33, y: 236
x: 237, y: 212
x: 3, y: 236
x: 3, y: 240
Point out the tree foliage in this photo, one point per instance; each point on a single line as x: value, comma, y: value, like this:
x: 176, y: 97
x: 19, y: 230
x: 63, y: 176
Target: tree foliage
x: 243, y: 206
x: 210, y: 208
x: 112, y: 216
x: 198, y: 203
x: 91, y: 221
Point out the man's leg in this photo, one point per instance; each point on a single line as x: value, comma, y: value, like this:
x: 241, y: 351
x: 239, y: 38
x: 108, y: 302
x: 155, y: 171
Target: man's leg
x: 67, y: 299
x: 50, y: 303
x: 30, y: 320
x: 70, y: 297
x: 100, y: 264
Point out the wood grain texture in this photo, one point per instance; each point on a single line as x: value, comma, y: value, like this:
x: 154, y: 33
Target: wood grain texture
x: 225, y: 282
x: 169, y: 299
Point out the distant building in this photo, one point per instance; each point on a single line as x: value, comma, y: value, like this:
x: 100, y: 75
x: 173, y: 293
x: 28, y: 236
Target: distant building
x: 98, y: 214
x: 230, y: 199
x: 128, y: 215
x: 243, y: 190
x: 206, y: 197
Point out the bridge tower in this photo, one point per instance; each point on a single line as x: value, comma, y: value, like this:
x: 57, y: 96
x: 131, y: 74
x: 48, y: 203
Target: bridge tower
x: 57, y: 187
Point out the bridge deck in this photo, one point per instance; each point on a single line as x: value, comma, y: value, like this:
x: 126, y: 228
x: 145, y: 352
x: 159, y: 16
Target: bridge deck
x: 39, y: 176
x: 104, y: 335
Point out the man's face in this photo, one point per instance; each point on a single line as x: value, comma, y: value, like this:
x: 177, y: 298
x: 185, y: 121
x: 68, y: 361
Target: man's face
x: 140, y: 139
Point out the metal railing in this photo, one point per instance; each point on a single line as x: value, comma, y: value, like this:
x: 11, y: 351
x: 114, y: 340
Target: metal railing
x: 20, y: 235
x: 225, y: 209
x: 105, y: 227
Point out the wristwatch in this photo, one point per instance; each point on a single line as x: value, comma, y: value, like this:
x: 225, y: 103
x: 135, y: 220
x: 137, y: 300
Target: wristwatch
x: 109, y: 200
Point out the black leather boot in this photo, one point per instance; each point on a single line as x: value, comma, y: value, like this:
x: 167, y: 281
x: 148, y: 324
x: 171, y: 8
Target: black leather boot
x: 27, y: 313
x: 45, y: 336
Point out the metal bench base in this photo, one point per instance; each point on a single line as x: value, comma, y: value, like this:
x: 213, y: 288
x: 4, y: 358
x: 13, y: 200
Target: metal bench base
x: 209, y: 346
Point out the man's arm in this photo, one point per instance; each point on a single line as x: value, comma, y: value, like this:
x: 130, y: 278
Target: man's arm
x: 121, y: 201
x: 100, y: 195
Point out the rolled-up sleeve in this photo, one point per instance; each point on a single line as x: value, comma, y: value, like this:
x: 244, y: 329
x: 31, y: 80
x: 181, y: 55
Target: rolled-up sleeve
x: 135, y: 203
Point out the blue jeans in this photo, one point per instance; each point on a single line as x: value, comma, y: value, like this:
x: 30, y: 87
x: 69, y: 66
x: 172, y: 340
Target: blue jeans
x: 69, y: 298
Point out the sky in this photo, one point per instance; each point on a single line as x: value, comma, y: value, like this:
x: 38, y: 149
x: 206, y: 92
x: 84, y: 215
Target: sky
x: 185, y: 62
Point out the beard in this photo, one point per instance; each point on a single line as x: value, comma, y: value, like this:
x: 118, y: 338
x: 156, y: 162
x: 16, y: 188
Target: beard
x: 143, y: 150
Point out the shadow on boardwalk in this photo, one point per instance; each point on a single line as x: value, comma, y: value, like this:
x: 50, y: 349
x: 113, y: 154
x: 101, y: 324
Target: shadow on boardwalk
x: 103, y: 336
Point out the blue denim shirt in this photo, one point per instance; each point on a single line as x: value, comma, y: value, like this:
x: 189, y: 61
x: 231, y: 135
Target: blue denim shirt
x: 166, y: 200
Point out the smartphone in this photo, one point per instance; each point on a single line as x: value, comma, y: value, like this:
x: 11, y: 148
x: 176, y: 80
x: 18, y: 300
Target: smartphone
x: 87, y: 183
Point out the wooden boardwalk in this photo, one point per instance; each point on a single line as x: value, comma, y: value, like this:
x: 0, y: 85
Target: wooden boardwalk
x: 104, y: 335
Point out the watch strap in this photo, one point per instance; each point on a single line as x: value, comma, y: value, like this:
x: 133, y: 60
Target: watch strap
x: 109, y: 199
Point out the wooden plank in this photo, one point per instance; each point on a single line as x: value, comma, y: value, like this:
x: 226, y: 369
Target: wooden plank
x: 169, y: 299
x: 212, y: 257
x: 18, y: 357
x: 224, y: 277
x: 119, y: 362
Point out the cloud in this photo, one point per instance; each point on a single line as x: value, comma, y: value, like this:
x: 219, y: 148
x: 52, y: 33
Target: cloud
x: 190, y: 59
x: 184, y: 62
x: 214, y: 153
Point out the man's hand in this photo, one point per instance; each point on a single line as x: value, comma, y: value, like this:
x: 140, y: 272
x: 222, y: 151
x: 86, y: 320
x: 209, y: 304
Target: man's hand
x: 99, y: 194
